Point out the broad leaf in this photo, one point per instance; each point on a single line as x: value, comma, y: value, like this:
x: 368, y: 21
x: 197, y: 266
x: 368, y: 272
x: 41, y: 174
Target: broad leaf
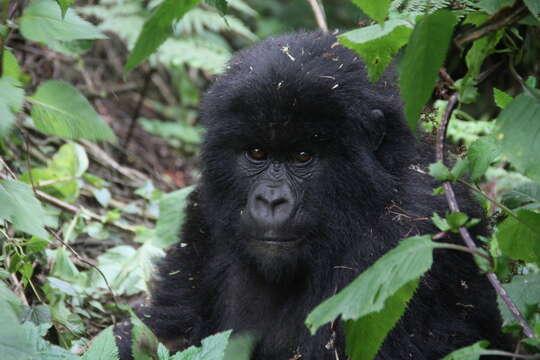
x: 171, y: 216
x: 528, y: 192
x: 14, y: 343
x: 157, y: 29
x: 59, y: 109
x: 103, y: 347
x: 520, y: 238
x: 365, y: 336
x: 424, y: 56
x: 144, y: 342
x: 534, y: 7
x: 377, y: 44
x: 11, y: 67
x: 501, y: 98
x: 518, y: 133
x: 377, y: 10
x: 524, y: 290
x: 11, y: 101
x: 472, y: 352
x: 481, y: 154
x: 212, y: 348
x: 42, y: 22
x: 21, y: 208
x: 370, y: 291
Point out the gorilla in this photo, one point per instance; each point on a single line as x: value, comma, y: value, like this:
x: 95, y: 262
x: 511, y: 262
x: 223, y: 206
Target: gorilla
x: 309, y: 175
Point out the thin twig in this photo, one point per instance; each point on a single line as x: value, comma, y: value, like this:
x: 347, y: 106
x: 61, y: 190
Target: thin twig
x: 505, y: 17
x: 80, y: 258
x: 137, y: 111
x: 318, y: 11
x: 467, y: 238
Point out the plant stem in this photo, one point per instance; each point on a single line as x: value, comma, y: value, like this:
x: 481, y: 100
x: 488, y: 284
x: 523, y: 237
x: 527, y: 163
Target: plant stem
x: 467, y: 238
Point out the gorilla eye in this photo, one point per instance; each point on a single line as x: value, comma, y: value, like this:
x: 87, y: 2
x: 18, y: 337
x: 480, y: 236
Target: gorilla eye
x: 302, y: 157
x: 257, y: 154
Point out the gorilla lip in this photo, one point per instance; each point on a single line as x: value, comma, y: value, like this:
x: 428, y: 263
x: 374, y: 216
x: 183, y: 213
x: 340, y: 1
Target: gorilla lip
x: 275, y: 241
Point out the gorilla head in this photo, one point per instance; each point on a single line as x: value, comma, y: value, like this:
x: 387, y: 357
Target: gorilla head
x: 300, y: 152
x: 304, y: 163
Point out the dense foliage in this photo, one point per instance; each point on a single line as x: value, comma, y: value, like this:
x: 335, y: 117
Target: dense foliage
x: 83, y: 214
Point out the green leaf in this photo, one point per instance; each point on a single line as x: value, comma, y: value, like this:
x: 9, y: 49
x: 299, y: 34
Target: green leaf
x: 377, y: 44
x: 518, y: 134
x: 240, y: 347
x: 459, y: 169
x: 365, y: 336
x: 439, y: 222
x: 11, y: 101
x: 10, y: 65
x: 528, y: 192
x: 472, y: 352
x: 221, y: 5
x: 439, y: 171
x: 212, y: 348
x: 534, y: 7
x: 520, y: 238
x: 144, y: 342
x: 377, y: 10
x: 21, y: 208
x: 481, y: 154
x: 128, y: 269
x: 157, y: 29
x: 42, y: 22
x: 501, y: 98
x: 456, y: 220
x: 171, y: 216
x: 14, y: 342
x: 423, y: 57
x: 59, y: 109
x: 369, y: 292
x: 492, y: 6
x: 62, y: 172
x: 524, y: 290
x: 103, y: 347
x: 64, y: 5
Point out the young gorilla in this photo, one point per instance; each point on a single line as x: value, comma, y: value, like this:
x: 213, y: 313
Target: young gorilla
x: 308, y: 178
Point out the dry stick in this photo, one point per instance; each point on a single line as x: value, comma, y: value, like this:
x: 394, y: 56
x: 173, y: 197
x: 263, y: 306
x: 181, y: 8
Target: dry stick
x: 318, y: 11
x: 467, y: 238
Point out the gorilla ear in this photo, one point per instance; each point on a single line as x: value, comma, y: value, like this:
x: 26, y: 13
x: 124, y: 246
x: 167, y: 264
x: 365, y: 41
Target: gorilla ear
x: 375, y: 127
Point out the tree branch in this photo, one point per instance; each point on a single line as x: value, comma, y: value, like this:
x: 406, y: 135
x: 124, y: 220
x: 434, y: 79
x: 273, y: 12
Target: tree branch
x: 467, y: 238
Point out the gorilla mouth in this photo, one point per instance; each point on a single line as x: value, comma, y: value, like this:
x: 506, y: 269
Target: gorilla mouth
x: 279, y: 241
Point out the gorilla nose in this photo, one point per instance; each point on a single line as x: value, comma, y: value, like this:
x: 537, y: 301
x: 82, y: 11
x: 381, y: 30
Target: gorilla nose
x: 271, y: 205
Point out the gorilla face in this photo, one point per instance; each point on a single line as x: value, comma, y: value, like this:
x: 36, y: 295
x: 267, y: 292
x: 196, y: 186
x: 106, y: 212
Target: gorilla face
x: 291, y: 155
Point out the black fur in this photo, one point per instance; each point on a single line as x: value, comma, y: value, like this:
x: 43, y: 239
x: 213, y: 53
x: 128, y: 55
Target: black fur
x: 364, y: 195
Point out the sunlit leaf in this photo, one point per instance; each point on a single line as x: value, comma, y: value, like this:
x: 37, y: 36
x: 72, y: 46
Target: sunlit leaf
x: 59, y: 109
x: 11, y: 101
x: 21, y: 208
x: 377, y: 44
x: 377, y: 10
x: 103, y: 347
x: 171, y: 216
x: 42, y: 22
